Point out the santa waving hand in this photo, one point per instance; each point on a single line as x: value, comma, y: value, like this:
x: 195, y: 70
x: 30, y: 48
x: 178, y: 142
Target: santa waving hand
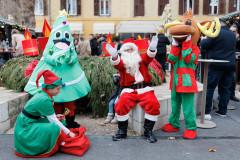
x: 135, y: 79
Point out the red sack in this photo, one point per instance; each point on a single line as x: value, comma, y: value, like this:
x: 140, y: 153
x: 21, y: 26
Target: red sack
x: 31, y: 66
x: 77, y: 145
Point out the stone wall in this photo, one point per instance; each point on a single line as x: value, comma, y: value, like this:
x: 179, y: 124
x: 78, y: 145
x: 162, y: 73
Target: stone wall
x: 11, y: 104
x: 163, y: 94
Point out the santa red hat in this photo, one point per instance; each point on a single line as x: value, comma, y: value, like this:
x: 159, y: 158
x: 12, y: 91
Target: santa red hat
x: 128, y: 43
x: 50, y: 79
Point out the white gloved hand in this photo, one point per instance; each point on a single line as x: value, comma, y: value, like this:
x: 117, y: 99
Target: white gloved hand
x: 112, y: 51
x: 174, y: 42
x: 153, y: 44
x: 188, y: 38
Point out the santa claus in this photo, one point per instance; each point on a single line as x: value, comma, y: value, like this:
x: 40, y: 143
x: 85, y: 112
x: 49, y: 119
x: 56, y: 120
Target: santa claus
x: 135, y: 79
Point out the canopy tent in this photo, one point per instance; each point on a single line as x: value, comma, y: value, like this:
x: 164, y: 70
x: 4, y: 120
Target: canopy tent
x: 103, y: 28
x: 137, y: 27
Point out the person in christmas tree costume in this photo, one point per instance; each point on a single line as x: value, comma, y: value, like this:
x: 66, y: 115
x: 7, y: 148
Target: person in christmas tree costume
x: 35, y: 136
x: 60, y: 57
x: 135, y: 79
x: 184, y: 57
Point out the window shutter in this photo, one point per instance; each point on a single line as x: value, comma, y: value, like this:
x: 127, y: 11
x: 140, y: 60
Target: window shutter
x: 222, y: 6
x: 136, y: 2
x: 206, y: 7
x: 63, y: 4
x: 45, y: 7
x: 141, y: 8
x: 180, y: 10
x: 196, y: 7
x: 231, y: 7
x: 161, y: 5
x: 78, y: 7
x: 96, y: 7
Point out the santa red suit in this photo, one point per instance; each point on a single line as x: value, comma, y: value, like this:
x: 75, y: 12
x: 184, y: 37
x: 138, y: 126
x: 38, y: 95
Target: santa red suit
x: 130, y: 97
x: 135, y: 79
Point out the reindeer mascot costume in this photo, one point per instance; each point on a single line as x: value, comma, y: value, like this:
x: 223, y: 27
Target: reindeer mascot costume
x: 184, y: 57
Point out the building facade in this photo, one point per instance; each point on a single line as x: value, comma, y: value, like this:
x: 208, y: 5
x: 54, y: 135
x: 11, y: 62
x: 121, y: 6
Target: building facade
x: 125, y: 17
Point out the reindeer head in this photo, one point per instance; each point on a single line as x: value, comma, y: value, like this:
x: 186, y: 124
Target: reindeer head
x: 188, y: 26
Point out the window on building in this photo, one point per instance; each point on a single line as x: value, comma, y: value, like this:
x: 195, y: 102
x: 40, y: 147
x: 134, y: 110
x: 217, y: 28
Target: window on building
x: 138, y: 7
x: 104, y: 7
x: 237, y: 4
x: 188, y: 4
x: 161, y: 5
x: 38, y: 10
x: 71, y: 7
x: 213, y: 6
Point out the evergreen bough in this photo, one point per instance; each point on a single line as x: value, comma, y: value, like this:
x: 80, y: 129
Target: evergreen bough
x: 98, y: 70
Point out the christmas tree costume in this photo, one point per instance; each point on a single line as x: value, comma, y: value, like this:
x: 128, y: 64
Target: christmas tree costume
x: 184, y: 57
x: 60, y: 57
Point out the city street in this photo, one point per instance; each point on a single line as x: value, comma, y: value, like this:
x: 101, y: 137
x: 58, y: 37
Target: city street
x: 225, y: 138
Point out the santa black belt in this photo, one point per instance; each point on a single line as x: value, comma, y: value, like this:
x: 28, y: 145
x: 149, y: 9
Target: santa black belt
x: 138, y: 86
x: 29, y: 115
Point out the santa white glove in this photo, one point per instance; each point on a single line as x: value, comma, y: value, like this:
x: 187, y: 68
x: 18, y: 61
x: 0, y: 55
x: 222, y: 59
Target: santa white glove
x: 112, y: 51
x: 175, y: 42
x: 153, y: 44
x: 188, y: 38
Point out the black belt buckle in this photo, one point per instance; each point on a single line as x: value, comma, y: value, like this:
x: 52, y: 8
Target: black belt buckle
x: 139, y: 85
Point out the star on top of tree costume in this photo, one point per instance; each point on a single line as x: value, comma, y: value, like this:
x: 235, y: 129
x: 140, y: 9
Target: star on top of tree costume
x: 184, y: 57
x: 60, y: 57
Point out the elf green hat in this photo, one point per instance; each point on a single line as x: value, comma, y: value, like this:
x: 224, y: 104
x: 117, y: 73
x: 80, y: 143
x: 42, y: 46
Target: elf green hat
x: 50, y: 79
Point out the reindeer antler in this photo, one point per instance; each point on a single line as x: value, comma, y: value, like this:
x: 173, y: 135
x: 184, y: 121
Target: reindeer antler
x: 209, y: 32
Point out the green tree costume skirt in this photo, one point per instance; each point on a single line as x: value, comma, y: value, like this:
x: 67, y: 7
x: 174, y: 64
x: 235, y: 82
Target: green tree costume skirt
x: 75, y: 84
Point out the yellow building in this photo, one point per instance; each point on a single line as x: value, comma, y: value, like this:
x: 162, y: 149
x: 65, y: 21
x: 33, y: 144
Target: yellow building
x: 125, y: 17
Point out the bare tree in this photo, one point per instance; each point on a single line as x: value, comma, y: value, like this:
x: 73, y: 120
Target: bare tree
x: 28, y: 17
x: 22, y: 11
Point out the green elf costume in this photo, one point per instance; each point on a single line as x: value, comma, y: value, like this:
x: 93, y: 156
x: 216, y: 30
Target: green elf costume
x: 34, y: 135
x: 184, y: 57
x: 60, y: 57
x: 183, y: 86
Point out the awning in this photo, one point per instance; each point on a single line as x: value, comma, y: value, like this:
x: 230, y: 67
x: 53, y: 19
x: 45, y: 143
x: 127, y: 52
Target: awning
x: 76, y: 27
x: 3, y: 20
x: 138, y: 27
x: 103, y: 28
x: 37, y: 30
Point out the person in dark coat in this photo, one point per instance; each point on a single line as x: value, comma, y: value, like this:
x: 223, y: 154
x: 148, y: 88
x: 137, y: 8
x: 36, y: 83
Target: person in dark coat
x: 222, y: 47
x: 100, y: 41
x: 94, y: 45
x: 161, y: 56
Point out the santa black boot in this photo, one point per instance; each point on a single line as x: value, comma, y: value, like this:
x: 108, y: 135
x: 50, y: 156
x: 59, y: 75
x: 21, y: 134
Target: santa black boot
x: 71, y: 123
x: 148, y: 126
x: 122, y: 131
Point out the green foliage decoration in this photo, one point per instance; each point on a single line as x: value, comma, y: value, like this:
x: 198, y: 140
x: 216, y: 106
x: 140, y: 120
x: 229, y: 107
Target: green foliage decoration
x: 98, y: 70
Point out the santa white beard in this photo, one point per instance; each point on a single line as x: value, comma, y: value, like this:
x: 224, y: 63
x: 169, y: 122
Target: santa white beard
x: 131, y: 61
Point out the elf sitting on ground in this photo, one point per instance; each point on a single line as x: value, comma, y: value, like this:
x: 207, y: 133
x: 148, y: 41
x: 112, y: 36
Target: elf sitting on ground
x: 38, y: 132
x: 135, y: 79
